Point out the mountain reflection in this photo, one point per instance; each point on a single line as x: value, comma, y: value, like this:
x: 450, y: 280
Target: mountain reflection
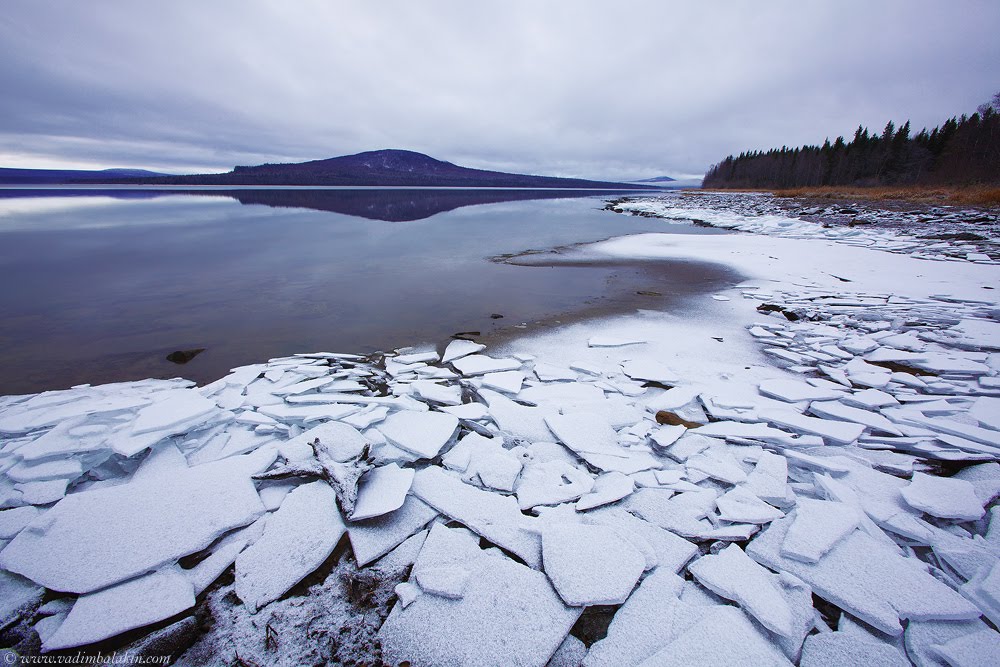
x: 391, y: 205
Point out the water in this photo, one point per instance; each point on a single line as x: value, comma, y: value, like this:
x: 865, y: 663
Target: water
x: 103, y: 286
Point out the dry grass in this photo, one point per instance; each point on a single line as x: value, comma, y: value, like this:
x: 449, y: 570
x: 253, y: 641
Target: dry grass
x: 975, y: 195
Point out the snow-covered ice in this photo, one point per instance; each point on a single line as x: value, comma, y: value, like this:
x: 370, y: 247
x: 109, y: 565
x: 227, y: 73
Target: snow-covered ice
x: 943, y: 497
x: 590, y: 564
x: 421, y: 433
x: 734, y: 576
x: 296, y: 540
x: 100, y: 537
x: 382, y: 490
x: 123, y: 607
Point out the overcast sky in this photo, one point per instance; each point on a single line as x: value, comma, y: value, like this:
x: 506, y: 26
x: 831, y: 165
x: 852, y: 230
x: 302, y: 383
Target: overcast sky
x: 623, y: 89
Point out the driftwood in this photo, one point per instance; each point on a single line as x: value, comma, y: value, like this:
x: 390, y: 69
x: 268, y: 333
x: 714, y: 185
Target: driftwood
x: 342, y: 476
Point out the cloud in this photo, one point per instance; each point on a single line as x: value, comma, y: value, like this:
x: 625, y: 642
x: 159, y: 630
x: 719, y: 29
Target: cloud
x: 576, y: 88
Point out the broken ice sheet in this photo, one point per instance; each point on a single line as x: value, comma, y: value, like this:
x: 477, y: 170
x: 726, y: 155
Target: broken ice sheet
x: 484, y: 460
x: 836, y: 432
x: 296, y: 540
x: 631, y: 637
x: 608, y: 488
x: 175, y: 408
x: 460, y: 348
x: 496, y: 517
x: 422, y: 433
x: 943, y: 497
x: 481, y: 628
x: 477, y: 364
x: 734, y: 576
x: 508, y: 382
x: 596, y: 442
x: 590, y: 564
x: 17, y: 596
x: 840, y: 648
x: 867, y: 579
x: 373, y: 538
x: 381, y: 490
x: 133, y: 604
x: 793, y: 391
x: 149, y: 522
x: 817, y: 527
x: 721, y: 636
x: 551, y: 483
x: 739, y: 505
x: 612, y: 341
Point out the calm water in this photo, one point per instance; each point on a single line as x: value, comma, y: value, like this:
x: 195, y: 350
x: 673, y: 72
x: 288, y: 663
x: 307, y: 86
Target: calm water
x: 101, y: 287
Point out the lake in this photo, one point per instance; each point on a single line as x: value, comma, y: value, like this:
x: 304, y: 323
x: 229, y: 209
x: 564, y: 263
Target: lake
x: 103, y: 285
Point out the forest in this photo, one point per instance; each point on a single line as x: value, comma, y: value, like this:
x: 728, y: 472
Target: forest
x: 962, y: 151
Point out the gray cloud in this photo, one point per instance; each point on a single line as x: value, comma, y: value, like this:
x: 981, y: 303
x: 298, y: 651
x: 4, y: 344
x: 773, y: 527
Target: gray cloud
x: 570, y: 88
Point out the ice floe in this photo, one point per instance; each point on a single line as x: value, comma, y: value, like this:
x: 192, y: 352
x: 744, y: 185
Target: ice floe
x: 590, y: 564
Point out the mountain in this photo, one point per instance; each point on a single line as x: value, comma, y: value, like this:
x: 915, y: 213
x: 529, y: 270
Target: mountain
x: 394, y: 168
x: 65, y: 176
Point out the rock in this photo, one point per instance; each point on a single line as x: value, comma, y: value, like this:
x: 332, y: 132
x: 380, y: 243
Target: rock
x: 184, y: 356
x: 672, y: 419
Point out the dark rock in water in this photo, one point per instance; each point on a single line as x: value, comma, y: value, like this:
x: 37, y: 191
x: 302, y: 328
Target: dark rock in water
x: 673, y: 419
x: 496, y: 316
x: 184, y: 356
x: 648, y: 293
x: 790, y: 315
x: 658, y: 385
x: 467, y: 335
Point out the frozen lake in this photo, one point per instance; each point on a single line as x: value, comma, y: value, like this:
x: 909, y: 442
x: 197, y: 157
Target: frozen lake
x: 101, y: 286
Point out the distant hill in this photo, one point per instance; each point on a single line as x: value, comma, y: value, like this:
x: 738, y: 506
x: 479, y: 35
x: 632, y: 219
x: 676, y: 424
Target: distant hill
x: 66, y: 176
x: 656, y: 179
x: 395, y: 168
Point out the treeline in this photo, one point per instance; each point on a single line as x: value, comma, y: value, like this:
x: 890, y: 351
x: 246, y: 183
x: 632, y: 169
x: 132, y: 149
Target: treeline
x: 962, y: 151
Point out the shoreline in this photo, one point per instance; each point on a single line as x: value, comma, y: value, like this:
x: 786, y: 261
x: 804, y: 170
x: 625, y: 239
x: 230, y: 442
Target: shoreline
x: 853, y: 369
x: 986, y: 196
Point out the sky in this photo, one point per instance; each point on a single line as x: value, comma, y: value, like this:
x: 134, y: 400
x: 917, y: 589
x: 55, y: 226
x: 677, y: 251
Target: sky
x: 625, y: 89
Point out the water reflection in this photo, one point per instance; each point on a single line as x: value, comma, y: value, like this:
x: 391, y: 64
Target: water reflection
x: 107, y: 286
x: 390, y: 205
